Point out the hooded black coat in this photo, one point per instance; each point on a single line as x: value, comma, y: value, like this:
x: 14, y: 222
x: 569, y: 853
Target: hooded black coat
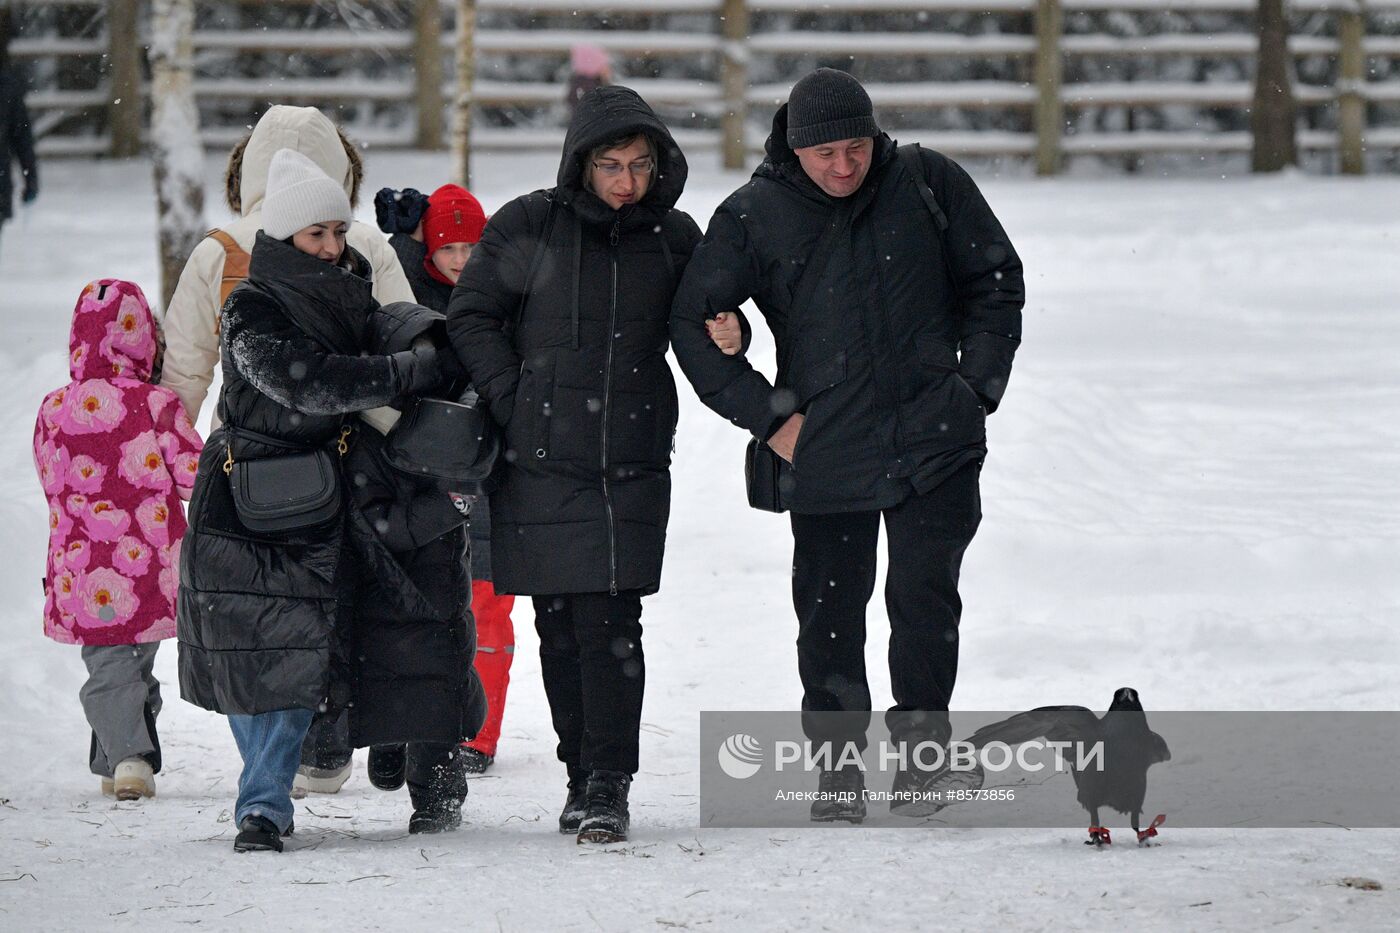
x: 16, y: 138
x: 580, y: 382
x: 909, y: 339
x: 258, y: 613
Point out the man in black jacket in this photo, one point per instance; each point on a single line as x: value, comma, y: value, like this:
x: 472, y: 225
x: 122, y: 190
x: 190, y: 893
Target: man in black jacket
x: 885, y: 378
x: 16, y: 135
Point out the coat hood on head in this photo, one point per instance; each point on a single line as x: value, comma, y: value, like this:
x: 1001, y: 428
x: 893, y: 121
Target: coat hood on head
x: 304, y: 129
x: 113, y: 335
x: 603, y: 115
x: 776, y: 147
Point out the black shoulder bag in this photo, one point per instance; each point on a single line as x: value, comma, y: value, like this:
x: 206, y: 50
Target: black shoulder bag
x: 766, y: 473
x: 284, y: 493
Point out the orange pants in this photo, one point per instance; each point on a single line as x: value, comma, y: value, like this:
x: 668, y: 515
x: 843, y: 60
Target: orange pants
x: 495, y: 649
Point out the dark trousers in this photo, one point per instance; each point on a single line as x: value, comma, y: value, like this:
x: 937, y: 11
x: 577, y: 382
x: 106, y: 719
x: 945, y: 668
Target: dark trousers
x: 833, y: 579
x: 327, y: 742
x: 594, y: 675
x: 435, y: 776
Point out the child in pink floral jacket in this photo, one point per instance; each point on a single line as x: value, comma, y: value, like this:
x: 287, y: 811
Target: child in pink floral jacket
x: 115, y: 455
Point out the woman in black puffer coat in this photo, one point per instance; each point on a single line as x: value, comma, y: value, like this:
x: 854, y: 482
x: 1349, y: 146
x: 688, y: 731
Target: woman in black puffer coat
x: 561, y: 318
x: 265, y: 619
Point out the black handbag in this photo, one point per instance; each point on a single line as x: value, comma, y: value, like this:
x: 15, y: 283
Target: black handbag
x: 764, y: 476
x: 768, y: 476
x: 451, y: 441
x: 285, y: 492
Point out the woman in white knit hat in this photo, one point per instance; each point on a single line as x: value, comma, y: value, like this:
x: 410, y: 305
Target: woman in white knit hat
x: 264, y: 581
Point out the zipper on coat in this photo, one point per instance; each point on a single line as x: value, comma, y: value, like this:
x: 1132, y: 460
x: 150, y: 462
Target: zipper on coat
x: 607, y: 408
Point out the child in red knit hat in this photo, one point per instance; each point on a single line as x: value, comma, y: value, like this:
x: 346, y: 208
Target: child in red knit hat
x: 452, y: 224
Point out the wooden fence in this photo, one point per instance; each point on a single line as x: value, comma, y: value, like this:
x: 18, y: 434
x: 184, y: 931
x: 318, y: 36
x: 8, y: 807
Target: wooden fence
x: 740, y: 40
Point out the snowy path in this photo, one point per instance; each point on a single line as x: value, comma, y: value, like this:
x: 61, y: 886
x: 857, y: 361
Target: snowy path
x: 1191, y: 491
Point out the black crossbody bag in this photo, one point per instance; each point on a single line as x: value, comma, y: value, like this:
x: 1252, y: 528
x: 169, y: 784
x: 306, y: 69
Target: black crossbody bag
x: 284, y: 493
x: 766, y: 473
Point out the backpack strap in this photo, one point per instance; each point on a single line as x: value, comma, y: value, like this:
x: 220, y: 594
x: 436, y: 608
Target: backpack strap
x: 540, y: 249
x: 236, y: 261
x: 914, y: 165
x: 806, y: 290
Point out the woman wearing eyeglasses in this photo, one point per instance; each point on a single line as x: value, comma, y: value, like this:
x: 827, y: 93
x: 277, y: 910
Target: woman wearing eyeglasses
x: 561, y: 318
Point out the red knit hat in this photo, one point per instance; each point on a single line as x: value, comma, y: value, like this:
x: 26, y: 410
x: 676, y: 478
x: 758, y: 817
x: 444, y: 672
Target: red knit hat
x: 453, y: 216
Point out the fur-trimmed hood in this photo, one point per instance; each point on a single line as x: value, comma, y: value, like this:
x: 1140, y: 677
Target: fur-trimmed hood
x: 304, y: 129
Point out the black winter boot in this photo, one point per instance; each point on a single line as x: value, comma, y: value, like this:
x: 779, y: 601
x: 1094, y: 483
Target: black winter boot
x: 387, y: 764
x: 606, y: 819
x: 474, y: 761
x: 258, y: 834
x: 840, y: 796
x: 576, y: 804
x: 435, y: 820
x: 919, y: 793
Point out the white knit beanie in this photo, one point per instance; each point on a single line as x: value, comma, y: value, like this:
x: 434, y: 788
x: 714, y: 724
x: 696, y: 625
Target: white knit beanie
x: 299, y: 194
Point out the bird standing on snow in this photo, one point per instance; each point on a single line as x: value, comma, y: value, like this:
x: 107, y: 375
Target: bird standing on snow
x: 1129, y: 749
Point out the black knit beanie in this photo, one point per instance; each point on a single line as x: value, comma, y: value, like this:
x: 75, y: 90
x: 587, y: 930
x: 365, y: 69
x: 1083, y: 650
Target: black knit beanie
x: 828, y: 105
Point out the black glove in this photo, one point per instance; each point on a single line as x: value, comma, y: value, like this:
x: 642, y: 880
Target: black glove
x: 416, y: 371
x: 31, y: 190
x: 451, y: 368
x: 399, y: 211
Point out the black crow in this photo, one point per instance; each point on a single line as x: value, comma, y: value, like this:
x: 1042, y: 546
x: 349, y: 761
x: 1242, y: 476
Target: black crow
x: 1129, y: 749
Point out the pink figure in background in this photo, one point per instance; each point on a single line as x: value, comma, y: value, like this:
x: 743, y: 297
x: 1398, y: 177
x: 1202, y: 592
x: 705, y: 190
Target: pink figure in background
x: 590, y: 66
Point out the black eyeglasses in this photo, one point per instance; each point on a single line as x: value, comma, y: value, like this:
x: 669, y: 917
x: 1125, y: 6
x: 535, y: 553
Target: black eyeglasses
x: 613, y: 169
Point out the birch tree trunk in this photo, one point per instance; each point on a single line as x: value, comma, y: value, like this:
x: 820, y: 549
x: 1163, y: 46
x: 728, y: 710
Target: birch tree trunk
x: 1274, y: 117
x: 177, y: 154
x: 428, y: 68
x: 462, y: 100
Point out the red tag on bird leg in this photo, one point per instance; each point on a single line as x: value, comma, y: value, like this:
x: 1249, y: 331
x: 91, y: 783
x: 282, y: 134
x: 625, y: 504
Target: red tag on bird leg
x: 1151, y: 829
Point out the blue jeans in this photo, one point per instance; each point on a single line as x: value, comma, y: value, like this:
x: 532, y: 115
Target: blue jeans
x: 270, y: 744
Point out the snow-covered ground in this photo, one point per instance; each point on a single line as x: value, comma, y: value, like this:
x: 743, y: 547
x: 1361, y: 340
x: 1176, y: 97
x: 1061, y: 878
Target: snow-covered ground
x: 1191, y: 490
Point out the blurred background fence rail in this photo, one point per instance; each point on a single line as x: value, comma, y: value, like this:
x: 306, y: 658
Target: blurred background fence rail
x: 1047, y: 82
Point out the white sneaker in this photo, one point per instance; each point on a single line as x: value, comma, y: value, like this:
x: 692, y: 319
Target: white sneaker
x: 132, y: 779
x: 311, y: 780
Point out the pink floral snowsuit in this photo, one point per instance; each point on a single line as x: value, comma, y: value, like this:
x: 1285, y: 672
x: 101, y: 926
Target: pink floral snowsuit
x: 114, y: 452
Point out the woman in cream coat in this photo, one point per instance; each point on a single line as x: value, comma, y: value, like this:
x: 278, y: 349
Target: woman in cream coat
x: 191, y: 322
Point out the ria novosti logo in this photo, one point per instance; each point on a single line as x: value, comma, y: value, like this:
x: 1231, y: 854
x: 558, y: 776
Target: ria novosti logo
x: 740, y: 756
